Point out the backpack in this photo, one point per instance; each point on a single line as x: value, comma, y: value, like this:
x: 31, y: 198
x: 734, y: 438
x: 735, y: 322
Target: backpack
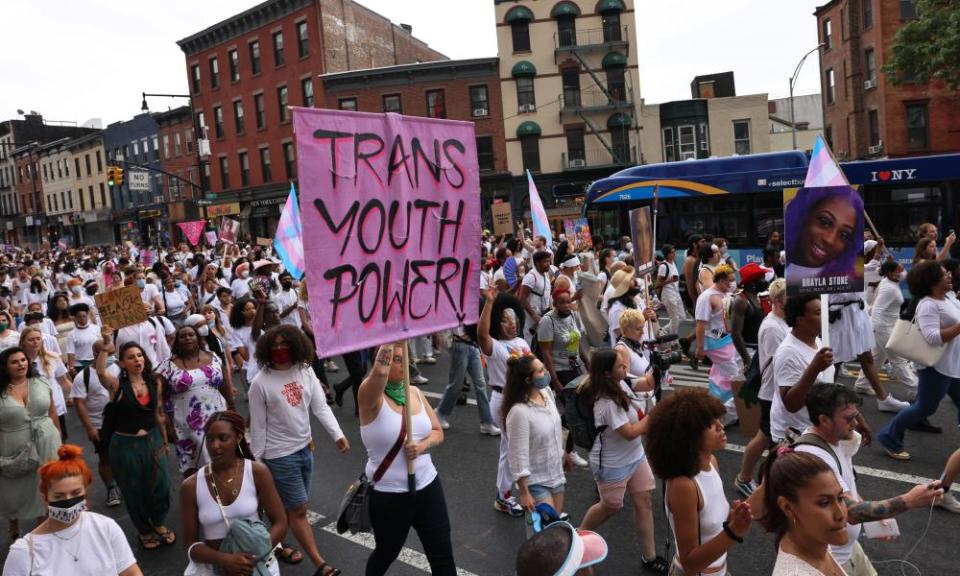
x: 794, y: 439
x: 579, y: 416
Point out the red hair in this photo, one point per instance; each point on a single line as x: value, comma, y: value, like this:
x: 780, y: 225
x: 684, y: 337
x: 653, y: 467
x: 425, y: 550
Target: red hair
x: 70, y: 463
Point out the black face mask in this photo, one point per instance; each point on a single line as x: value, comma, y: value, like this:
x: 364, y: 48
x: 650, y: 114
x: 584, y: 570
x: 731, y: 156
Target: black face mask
x: 287, y: 285
x: 633, y: 292
x: 564, y: 314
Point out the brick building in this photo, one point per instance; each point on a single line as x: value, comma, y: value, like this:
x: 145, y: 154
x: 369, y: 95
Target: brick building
x: 454, y: 89
x: 246, y: 71
x: 179, y: 159
x: 864, y: 114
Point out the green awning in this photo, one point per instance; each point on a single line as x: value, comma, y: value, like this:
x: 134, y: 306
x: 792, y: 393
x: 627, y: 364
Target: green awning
x: 523, y: 68
x: 610, y: 6
x: 565, y: 9
x: 528, y: 128
x: 519, y: 13
x: 614, y: 59
x: 619, y: 119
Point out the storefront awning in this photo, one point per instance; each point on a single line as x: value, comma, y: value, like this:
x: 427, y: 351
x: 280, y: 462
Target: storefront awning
x: 519, y: 14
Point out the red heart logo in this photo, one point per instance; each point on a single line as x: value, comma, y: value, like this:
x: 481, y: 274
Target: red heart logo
x: 885, y: 175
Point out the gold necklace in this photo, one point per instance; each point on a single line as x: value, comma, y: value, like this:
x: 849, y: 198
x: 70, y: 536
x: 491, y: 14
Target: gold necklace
x: 213, y: 480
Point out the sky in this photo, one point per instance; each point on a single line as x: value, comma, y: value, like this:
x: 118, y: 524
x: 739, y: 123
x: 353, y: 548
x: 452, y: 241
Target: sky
x: 77, y: 60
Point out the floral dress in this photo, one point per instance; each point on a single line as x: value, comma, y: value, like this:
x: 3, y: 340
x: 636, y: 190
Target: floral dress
x: 192, y: 396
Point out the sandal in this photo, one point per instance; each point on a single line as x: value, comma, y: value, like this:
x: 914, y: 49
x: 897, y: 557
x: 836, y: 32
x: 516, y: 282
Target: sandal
x: 334, y: 571
x: 657, y: 565
x: 292, y: 557
x: 149, y: 541
x: 167, y: 536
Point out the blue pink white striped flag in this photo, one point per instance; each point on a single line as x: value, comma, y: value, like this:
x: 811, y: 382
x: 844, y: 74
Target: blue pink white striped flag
x: 541, y: 225
x: 288, y: 243
x: 824, y: 170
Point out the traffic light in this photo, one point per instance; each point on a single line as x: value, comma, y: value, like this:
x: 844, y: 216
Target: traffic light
x: 118, y: 176
x: 111, y: 176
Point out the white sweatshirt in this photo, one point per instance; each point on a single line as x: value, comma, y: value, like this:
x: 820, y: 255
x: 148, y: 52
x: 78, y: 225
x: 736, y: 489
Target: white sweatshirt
x: 280, y: 407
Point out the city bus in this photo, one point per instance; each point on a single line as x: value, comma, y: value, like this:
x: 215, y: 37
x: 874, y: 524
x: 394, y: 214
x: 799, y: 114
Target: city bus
x: 740, y: 198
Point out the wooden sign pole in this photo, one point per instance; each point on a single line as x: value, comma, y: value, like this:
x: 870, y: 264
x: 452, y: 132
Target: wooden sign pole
x: 411, y: 467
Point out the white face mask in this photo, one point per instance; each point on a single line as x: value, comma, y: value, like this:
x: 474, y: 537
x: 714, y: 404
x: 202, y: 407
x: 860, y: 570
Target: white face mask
x: 67, y: 511
x: 203, y: 330
x: 76, y: 289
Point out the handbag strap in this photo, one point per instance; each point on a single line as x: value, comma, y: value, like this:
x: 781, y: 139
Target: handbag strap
x: 216, y: 493
x: 382, y: 469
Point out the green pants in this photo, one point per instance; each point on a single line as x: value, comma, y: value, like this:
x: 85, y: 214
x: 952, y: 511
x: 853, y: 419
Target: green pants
x: 139, y: 467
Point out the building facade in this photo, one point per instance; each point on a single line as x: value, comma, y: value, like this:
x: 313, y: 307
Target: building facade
x: 140, y: 206
x: 246, y: 72
x: 865, y: 115
x: 56, y: 166
x: 93, y: 206
x: 180, y: 161
x: 808, y: 116
x: 453, y: 89
x: 571, y: 93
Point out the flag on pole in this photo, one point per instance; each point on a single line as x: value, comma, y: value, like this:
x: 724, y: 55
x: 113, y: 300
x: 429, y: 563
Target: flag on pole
x: 288, y: 243
x: 541, y: 225
x: 824, y: 170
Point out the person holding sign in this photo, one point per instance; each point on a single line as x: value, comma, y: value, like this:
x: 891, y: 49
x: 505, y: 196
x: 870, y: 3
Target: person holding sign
x: 715, y: 341
x: 824, y: 226
x: 393, y: 510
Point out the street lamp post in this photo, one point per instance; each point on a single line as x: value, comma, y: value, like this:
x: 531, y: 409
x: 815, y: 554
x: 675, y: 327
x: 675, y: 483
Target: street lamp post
x: 793, y: 82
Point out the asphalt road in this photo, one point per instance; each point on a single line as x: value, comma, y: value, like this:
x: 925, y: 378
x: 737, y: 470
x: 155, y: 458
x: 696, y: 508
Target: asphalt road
x: 486, y: 541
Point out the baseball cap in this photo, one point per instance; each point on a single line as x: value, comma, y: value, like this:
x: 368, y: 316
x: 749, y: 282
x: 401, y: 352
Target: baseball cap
x: 752, y: 272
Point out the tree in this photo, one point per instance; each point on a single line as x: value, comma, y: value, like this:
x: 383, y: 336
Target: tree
x: 928, y: 47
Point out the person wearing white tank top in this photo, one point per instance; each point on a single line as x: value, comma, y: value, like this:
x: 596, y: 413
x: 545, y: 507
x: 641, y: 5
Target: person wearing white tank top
x: 684, y: 432
x: 394, y: 510
x: 243, y: 486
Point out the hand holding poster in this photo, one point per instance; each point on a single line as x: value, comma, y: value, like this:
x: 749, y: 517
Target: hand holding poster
x: 121, y: 307
x: 391, y: 224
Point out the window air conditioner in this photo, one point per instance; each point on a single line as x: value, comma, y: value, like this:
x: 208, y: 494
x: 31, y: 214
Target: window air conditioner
x: 480, y: 112
x: 876, y: 149
x: 577, y: 163
x: 869, y: 84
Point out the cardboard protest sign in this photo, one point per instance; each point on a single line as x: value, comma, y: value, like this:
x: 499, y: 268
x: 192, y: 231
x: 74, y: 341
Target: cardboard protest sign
x: 577, y: 231
x: 641, y: 233
x: 261, y: 241
x: 121, y: 307
x: 502, y: 219
x: 390, y: 207
x: 823, y: 238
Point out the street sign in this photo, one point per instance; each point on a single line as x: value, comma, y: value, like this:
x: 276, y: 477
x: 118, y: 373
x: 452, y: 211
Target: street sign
x: 138, y: 180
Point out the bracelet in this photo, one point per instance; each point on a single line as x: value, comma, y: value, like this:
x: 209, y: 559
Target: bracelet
x: 730, y: 533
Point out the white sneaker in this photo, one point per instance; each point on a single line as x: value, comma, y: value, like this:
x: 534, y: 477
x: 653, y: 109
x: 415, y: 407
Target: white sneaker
x: 891, y: 404
x: 578, y: 460
x: 418, y: 379
x: 950, y: 503
x: 489, y: 429
x: 443, y: 422
x: 331, y: 366
x: 429, y: 360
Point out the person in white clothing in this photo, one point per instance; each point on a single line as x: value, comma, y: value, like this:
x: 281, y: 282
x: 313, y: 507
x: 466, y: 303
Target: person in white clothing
x: 150, y: 335
x: 70, y: 540
x: 535, y: 294
x: 288, y: 302
x: 282, y: 396
x: 240, y: 286
x: 668, y: 285
x: 715, y: 341
x: 80, y: 340
x: 884, y: 315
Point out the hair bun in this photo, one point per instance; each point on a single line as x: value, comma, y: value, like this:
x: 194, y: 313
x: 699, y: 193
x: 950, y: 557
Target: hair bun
x: 70, y: 452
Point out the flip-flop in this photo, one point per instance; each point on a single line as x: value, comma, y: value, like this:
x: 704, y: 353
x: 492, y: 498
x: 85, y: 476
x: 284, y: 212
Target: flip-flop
x: 168, y: 537
x: 294, y: 557
x: 334, y: 571
x: 149, y: 541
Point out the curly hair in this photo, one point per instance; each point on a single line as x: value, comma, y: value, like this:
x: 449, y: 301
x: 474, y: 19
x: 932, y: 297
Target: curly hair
x: 238, y: 424
x: 69, y: 463
x: 501, y: 304
x: 676, y: 432
x: 785, y: 476
x: 632, y: 317
x: 802, y: 207
x: 601, y: 383
x: 301, y: 349
x: 519, y: 382
x: 236, y: 312
x: 923, y: 277
x: 5, y: 372
x: 796, y: 307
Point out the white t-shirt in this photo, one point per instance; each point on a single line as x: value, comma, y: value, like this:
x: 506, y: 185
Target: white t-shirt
x: 790, y: 565
x: 667, y: 271
x: 772, y: 331
x: 497, y: 362
x: 617, y: 450
x: 285, y: 299
x: 52, y: 371
x: 538, y: 285
x: 789, y: 364
x: 174, y: 302
x: 932, y: 316
x: 148, y: 293
x: 80, y: 342
x: 150, y: 335
x: 716, y: 325
x: 240, y: 288
x: 104, y: 551
x: 96, y: 396
x: 886, y: 304
x: 243, y: 338
x: 613, y: 319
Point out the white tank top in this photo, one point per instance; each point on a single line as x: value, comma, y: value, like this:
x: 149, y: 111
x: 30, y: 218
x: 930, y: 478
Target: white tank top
x: 381, y: 434
x: 716, y: 509
x: 246, y: 505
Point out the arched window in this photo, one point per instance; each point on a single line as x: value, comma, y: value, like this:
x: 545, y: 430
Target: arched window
x: 519, y: 19
x: 565, y: 13
x: 609, y: 11
x: 615, y: 66
x: 523, y: 73
x: 529, y: 135
x: 619, y: 126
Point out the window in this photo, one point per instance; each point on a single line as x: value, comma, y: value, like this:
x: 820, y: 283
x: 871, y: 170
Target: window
x: 237, y: 116
x: 155, y: 141
x: 828, y: 136
x: 530, y: 150
x: 303, y: 45
x: 99, y: 163
x: 831, y: 88
x: 53, y: 201
x: 908, y: 9
x: 86, y: 161
x: 617, y: 83
x: 234, y: 65
x: 76, y: 165
x: 92, y: 202
x: 436, y: 107
x: 867, y: 13
x: 83, y: 205
x: 289, y: 160
x: 144, y: 148
x: 306, y: 89
x: 347, y: 103
x: 214, y: 73
x: 570, y: 78
x: 63, y: 199
x: 258, y: 110
x: 567, y: 31
x: 576, y: 151
x: 520, y: 32
x: 874, y: 117
x: 485, y: 153
x: 611, y: 27
x: 166, y: 146
x: 620, y: 142
x: 224, y: 172
x: 479, y: 101
x: 255, y: 57
x: 827, y: 34
x: 278, y: 49
x: 195, y: 78
x: 688, y: 142
x: 103, y: 195
x: 177, y: 149
x: 391, y: 103
x: 188, y: 136
x: 244, y: 162
x: 741, y: 137
x: 70, y: 198
x: 526, y: 99
x: 218, y: 121
x: 917, y: 126
x: 282, y: 104
x: 870, y: 60
x: 265, y: 165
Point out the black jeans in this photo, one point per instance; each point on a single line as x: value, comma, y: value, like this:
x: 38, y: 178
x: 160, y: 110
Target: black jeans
x: 392, y: 516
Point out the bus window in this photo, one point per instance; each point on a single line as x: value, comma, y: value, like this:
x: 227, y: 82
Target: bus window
x: 897, y: 212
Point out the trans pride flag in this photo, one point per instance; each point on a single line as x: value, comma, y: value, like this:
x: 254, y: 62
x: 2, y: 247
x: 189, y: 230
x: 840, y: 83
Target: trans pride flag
x: 288, y: 243
x: 541, y: 225
x: 823, y: 170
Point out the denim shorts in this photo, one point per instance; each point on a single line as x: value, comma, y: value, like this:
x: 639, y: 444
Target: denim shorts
x: 292, y: 475
x: 541, y: 492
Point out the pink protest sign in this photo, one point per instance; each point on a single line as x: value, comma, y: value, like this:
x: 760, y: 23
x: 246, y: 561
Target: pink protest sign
x: 391, y: 224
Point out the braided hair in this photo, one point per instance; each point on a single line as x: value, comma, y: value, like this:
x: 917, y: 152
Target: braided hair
x: 238, y: 424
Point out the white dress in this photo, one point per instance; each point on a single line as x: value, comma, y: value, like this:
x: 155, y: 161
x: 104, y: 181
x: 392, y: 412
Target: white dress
x: 852, y: 334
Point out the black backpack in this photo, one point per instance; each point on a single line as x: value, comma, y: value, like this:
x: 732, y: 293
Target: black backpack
x: 579, y: 417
